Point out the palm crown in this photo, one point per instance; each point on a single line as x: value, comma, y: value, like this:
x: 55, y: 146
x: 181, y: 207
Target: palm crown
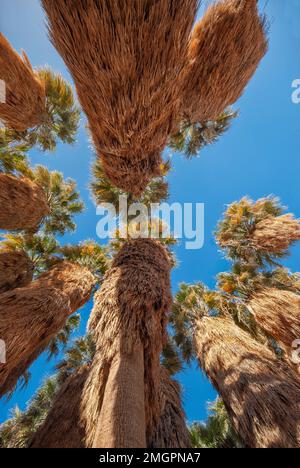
x: 61, y: 119
x: 191, y: 137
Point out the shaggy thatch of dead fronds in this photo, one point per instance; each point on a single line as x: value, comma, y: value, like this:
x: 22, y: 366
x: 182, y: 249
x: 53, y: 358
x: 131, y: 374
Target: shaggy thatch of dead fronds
x: 278, y: 313
x: 128, y: 319
x: 225, y: 49
x: 62, y: 428
x: 171, y: 430
x: 276, y: 234
x: 24, y: 105
x: 72, y: 279
x: 31, y: 316
x: 261, y: 393
x: 16, y: 270
x: 126, y: 58
x: 23, y: 203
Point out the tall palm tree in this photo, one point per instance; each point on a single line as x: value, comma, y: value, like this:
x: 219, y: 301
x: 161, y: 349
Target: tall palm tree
x: 225, y: 49
x: 31, y: 317
x: 64, y: 427
x: 40, y: 197
x: 191, y: 137
x: 128, y: 321
x: 217, y: 431
x: 249, y: 377
x: 130, y: 123
x: 40, y: 107
x: 257, y: 232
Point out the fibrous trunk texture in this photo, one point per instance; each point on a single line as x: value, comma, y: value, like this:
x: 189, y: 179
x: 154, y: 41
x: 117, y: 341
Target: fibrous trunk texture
x: 276, y: 234
x: 16, y: 270
x: 171, y: 430
x: 278, y: 313
x: 225, y: 49
x: 127, y: 59
x: 31, y: 316
x: 261, y: 393
x: 130, y: 309
x: 23, y: 204
x: 24, y: 105
x: 62, y: 428
x: 122, y: 416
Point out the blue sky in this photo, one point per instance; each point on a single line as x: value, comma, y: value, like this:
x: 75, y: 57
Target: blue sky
x: 259, y: 156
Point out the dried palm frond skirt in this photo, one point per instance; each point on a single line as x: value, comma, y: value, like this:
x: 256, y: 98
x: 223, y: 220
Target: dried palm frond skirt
x: 126, y: 58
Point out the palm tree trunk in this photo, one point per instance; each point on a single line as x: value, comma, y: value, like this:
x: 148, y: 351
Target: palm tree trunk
x: 62, y: 427
x: 122, y: 416
x: 31, y: 316
x: 278, y: 313
x: 260, y: 392
x: 23, y: 203
x: 171, y: 431
x: 24, y: 105
x: 16, y: 270
x: 129, y: 325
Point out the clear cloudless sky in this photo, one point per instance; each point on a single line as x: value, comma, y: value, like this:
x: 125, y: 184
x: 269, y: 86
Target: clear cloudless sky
x: 259, y: 156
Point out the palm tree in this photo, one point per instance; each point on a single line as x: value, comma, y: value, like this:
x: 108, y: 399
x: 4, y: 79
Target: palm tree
x: 64, y: 427
x: 257, y: 232
x: 40, y: 197
x: 216, y: 432
x: 128, y: 322
x: 13, y: 156
x: 225, y: 50
x: 190, y: 138
x: 31, y: 317
x: 249, y: 377
x: 130, y: 123
x: 40, y: 107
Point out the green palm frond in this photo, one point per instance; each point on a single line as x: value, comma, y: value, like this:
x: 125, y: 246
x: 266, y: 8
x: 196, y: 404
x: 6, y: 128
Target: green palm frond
x: 191, y: 138
x: 217, y: 432
x: 80, y: 353
x: 238, y: 224
x: 61, y: 340
x: 88, y: 254
x: 63, y: 199
x: 170, y: 358
x: 40, y: 248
